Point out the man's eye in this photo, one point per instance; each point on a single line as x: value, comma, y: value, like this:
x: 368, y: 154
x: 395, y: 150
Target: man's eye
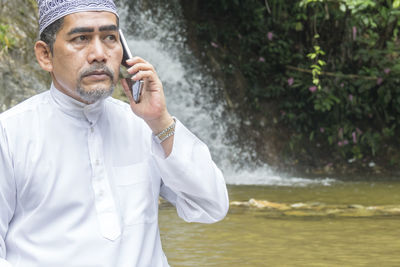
x: 80, y: 39
x: 111, y: 38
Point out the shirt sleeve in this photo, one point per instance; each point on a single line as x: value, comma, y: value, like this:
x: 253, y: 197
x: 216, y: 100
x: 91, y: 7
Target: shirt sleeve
x: 7, y: 194
x: 191, y: 180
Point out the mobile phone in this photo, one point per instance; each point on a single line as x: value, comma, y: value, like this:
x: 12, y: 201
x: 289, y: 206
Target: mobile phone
x: 135, y: 86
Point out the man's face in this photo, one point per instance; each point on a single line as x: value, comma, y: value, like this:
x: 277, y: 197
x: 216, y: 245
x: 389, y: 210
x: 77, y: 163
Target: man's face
x: 87, y: 55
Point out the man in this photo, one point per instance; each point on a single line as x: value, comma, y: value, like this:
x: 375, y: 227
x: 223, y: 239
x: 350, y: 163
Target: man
x: 81, y: 172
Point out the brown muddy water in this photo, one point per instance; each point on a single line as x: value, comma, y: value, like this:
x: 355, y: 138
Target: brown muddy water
x: 342, y: 224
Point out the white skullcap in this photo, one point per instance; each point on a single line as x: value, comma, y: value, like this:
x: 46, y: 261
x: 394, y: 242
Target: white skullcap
x: 52, y: 10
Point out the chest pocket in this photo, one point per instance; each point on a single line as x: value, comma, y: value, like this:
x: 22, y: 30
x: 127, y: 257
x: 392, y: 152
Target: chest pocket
x: 135, y: 193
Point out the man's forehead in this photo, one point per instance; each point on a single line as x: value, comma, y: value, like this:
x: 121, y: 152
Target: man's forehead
x: 92, y: 19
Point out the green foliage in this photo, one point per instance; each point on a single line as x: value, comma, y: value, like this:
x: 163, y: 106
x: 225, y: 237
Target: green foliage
x: 333, y: 66
x: 6, y: 40
x: 316, y: 67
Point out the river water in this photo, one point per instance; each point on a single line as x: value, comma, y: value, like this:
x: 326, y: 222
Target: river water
x: 311, y: 222
x: 257, y: 237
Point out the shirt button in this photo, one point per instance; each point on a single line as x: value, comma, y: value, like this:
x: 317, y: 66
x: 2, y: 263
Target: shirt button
x: 97, y: 162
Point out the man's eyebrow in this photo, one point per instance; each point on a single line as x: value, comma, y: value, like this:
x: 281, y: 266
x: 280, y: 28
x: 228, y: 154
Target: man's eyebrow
x: 80, y: 30
x: 108, y: 28
x: 90, y: 29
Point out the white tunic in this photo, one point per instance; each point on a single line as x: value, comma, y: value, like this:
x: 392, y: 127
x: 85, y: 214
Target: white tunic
x: 79, y: 184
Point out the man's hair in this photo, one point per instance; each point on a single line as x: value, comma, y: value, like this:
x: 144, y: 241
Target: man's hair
x: 49, y: 34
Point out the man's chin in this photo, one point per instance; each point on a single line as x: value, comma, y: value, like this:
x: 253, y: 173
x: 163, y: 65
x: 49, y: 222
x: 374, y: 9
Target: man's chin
x: 91, y: 95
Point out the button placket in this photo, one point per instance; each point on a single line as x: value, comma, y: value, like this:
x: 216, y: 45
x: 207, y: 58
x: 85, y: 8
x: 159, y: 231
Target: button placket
x: 104, y: 201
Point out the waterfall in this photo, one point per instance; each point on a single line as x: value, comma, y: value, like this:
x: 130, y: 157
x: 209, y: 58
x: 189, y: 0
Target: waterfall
x: 155, y: 31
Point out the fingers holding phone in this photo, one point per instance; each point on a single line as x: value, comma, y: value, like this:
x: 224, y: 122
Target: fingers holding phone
x: 142, y: 70
x: 152, y: 107
x: 152, y: 100
x: 142, y: 86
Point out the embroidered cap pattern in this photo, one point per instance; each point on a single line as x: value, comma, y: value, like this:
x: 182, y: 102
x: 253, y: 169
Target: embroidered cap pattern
x: 52, y: 10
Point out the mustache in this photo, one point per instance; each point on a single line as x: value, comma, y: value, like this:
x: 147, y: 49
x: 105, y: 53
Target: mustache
x: 97, y: 68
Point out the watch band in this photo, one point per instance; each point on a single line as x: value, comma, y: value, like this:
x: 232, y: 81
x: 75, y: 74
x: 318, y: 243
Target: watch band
x: 167, y: 132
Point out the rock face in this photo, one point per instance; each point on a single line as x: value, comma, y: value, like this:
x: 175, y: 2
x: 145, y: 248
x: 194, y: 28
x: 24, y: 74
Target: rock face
x: 20, y: 74
x: 274, y: 209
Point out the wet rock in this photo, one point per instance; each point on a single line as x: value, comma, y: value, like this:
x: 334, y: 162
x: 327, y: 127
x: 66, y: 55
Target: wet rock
x: 317, y: 209
x: 393, y: 211
x: 20, y: 74
x: 298, y: 205
x: 355, y: 206
x: 269, y: 205
x: 299, y: 213
x: 239, y: 204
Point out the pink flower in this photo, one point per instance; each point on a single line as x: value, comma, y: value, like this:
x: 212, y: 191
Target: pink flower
x: 214, y: 45
x: 270, y: 36
x: 312, y: 89
x: 358, y: 131
x: 379, y: 81
x: 354, y: 137
x: 261, y: 59
x: 387, y: 71
x: 342, y: 85
x: 322, y: 129
x: 351, y: 98
x: 354, y: 33
x: 340, y: 143
x: 345, y: 142
x: 290, y: 81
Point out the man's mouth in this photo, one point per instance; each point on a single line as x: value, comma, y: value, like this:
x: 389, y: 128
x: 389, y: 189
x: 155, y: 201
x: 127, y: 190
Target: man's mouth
x: 97, y: 75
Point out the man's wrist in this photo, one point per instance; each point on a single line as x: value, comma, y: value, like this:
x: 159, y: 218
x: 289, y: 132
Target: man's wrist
x: 160, y: 124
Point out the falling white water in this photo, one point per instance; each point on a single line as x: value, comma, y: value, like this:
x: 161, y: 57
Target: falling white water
x: 155, y: 31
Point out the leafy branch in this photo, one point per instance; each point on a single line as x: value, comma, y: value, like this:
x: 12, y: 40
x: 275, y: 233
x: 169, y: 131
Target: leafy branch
x: 316, y: 68
x: 333, y: 74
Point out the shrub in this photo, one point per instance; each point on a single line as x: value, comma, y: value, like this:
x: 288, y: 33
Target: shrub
x: 333, y: 66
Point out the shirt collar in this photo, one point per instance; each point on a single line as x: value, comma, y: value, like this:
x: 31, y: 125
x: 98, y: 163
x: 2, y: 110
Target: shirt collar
x: 74, y: 108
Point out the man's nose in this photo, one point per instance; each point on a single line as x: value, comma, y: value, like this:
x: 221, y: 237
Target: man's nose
x: 97, y: 51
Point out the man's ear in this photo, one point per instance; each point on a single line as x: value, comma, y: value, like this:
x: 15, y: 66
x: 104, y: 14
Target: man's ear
x: 44, y: 56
